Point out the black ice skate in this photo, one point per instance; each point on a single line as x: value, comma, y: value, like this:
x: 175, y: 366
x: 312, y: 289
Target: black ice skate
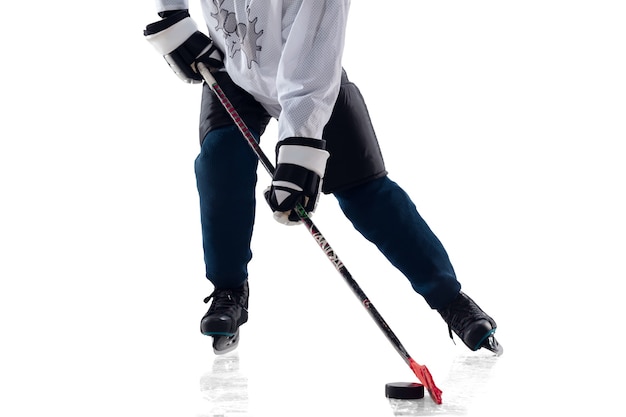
x: 475, y: 328
x: 228, y: 311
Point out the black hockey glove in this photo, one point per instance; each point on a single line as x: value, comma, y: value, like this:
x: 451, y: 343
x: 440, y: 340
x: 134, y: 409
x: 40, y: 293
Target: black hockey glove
x: 300, y: 167
x: 177, y: 38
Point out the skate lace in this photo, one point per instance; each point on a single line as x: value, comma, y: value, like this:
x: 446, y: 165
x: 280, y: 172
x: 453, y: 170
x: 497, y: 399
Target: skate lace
x: 224, y: 301
x: 460, y: 314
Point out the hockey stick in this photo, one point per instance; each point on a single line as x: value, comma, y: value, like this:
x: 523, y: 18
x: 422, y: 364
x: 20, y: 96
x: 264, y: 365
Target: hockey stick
x: 422, y: 373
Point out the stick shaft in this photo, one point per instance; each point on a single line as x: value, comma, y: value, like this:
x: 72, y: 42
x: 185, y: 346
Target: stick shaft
x: 232, y: 112
x: 318, y: 236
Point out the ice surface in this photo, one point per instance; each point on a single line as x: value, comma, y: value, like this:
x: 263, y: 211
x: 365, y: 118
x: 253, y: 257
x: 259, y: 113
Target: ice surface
x: 226, y: 387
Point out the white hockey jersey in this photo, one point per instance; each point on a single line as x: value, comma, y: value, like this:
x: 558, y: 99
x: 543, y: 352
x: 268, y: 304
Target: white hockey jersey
x: 286, y: 53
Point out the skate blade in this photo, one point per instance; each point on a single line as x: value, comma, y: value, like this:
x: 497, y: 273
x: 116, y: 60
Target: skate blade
x: 225, y: 344
x: 492, y: 344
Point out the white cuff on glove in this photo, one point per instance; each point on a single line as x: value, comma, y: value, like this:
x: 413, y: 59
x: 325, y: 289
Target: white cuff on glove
x: 171, y: 38
x: 310, y: 158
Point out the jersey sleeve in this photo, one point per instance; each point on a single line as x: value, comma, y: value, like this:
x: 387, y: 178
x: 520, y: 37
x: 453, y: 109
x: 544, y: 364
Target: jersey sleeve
x: 164, y: 5
x: 309, y: 71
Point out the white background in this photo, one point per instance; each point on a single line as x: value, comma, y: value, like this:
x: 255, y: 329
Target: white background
x: 505, y: 121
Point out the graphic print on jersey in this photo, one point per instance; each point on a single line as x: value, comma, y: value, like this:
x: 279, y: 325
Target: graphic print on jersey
x: 239, y: 36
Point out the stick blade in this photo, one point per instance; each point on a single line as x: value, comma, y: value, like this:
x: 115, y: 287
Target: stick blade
x: 424, y: 376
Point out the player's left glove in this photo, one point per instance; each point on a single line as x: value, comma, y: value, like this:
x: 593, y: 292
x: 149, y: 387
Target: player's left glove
x: 178, y: 39
x: 300, y: 167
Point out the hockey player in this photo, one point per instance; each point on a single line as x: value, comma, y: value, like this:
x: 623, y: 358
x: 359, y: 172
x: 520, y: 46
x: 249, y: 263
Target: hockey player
x: 283, y: 59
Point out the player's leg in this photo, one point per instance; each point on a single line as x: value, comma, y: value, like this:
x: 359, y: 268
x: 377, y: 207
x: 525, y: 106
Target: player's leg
x: 385, y: 215
x: 383, y: 212
x: 226, y: 178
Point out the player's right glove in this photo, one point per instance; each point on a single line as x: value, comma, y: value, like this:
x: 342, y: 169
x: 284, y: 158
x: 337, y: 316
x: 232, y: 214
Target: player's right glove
x: 301, y: 163
x: 177, y: 38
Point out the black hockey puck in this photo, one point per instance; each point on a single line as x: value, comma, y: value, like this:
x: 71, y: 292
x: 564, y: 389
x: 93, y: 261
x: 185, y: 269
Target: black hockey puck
x: 404, y: 390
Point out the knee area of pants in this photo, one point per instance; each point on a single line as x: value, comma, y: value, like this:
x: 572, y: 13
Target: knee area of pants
x: 365, y: 192
x: 227, y: 142
x: 217, y: 141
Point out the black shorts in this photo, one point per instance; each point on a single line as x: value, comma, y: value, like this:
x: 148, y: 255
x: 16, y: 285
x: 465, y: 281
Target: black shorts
x: 355, y: 155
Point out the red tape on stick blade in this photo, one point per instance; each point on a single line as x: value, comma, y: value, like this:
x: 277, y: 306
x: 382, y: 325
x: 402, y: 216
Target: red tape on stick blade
x: 423, y: 374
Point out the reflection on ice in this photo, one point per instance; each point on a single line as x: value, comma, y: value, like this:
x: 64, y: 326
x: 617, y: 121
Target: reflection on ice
x: 467, y: 379
x: 225, y: 387
x: 465, y: 389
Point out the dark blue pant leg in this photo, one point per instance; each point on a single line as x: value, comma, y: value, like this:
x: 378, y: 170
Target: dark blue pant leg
x: 226, y: 179
x: 385, y: 215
